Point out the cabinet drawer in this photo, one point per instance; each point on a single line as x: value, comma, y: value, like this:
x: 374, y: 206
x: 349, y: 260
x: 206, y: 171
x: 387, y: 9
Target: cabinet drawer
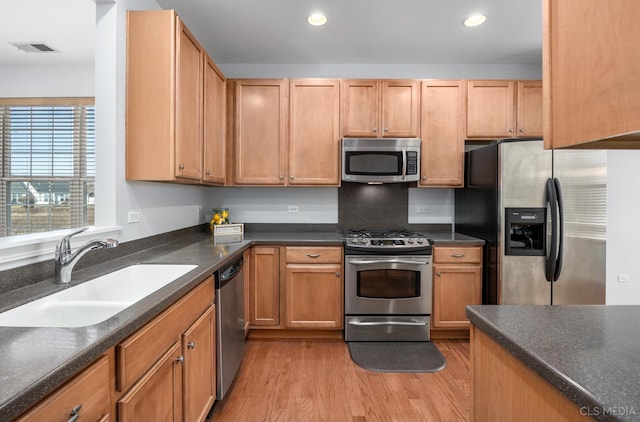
x: 138, y: 353
x: 89, y: 390
x: 304, y: 255
x: 468, y: 255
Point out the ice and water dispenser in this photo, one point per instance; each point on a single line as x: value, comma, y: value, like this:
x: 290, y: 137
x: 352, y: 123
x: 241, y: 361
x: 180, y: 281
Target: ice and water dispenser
x: 526, y: 231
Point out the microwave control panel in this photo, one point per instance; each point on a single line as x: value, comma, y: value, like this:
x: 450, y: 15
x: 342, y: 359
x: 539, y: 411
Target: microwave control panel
x: 412, y: 162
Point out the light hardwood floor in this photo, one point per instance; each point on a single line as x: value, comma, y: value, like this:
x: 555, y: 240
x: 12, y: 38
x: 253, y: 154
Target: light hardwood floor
x: 299, y: 380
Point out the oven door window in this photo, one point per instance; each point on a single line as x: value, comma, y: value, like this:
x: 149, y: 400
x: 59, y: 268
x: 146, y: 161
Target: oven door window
x: 388, y: 284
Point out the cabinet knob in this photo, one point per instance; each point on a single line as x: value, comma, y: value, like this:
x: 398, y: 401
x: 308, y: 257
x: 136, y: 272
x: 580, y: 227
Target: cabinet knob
x: 291, y: 177
x: 510, y: 130
x: 438, y: 274
x: 424, y: 177
x: 180, y: 359
x: 374, y: 130
x: 75, y: 413
x: 522, y: 130
x: 207, y: 173
x: 338, y: 275
x: 191, y: 345
x: 280, y: 177
x: 181, y: 166
x: 386, y: 129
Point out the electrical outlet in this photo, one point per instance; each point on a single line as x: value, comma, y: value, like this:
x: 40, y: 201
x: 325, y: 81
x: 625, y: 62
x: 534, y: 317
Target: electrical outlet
x: 423, y: 209
x: 133, y: 217
x: 199, y: 212
x: 623, y: 278
x: 293, y: 208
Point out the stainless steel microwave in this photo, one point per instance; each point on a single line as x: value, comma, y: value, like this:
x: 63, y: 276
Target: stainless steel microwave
x: 380, y: 160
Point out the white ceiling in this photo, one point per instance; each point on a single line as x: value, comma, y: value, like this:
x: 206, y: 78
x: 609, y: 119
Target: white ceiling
x: 275, y: 31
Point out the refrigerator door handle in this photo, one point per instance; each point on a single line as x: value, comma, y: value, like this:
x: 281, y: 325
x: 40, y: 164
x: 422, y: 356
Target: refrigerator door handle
x: 551, y: 260
x: 558, y: 269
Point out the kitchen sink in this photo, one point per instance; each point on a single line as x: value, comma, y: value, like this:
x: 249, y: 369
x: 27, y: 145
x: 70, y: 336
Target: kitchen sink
x: 96, y: 300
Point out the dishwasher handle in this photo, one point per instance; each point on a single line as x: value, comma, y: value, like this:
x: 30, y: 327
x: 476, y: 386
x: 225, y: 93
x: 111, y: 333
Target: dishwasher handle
x: 225, y: 274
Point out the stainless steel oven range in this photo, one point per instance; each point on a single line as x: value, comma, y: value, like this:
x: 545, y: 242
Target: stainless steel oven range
x: 388, y: 285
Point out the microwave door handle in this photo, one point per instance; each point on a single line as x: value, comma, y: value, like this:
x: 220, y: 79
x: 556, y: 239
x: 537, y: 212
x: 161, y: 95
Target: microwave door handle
x: 385, y: 261
x: 404, y: 163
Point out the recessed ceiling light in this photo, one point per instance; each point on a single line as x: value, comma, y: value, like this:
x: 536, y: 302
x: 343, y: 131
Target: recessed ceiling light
x: 317, y: 19
x: 475, y: 20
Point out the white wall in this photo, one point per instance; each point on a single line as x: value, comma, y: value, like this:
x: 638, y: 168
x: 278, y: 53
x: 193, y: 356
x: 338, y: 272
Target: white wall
x: 46, y: 81
x: 623, y: 227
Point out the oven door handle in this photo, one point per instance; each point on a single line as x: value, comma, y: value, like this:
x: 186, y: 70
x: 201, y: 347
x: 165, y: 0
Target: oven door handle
x: 362, y: 323
x: 385, y: 261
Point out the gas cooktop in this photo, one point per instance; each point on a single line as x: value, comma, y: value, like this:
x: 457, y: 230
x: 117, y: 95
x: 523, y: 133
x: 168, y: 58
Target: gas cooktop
x: 388, y: 240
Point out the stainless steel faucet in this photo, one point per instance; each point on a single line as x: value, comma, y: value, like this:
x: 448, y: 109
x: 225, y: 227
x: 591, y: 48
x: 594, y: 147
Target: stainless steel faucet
x: 65, y: 260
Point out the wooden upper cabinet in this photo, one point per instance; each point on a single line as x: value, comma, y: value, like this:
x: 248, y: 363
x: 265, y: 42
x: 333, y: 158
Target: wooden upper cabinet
x: 260, y: 122
x: 386, y: 108
x: 529, y: 108
x: 165, y: 100
x: 215, y: 97
x: 490, y: 109
x: 442, y: 133
x: 314, y: 132
x: 504, y: 109
x: 189, y: 87
x: 590, y: 69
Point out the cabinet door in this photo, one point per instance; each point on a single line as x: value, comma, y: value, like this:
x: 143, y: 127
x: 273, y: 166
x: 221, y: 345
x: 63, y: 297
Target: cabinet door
x: 400, y: 109
x: 360, y: 102
x: 198, y: 348
x: 591, y: 78
x: 158, y: 395
x: 529, y: 110
x: 490, y: 109
x: 189, y: 87
x: 442, y: 133
x: 265, y: 287
x: 260, y: 123
x: 314, y: 296
x: 214, y: 113
x: 86, y: 395
x: 314, y: 132
x: 455, y: 287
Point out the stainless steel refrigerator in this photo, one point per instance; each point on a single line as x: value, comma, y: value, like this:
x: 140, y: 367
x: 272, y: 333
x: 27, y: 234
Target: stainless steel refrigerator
x: 542, y: 214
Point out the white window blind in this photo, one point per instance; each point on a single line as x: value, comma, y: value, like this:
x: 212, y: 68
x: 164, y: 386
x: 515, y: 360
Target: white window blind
x: 48, y: 165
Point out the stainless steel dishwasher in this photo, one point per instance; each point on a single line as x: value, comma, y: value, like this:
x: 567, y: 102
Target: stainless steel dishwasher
x: 230, y: 339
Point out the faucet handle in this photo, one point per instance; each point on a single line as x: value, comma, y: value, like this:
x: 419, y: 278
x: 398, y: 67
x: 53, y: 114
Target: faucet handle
x: 64, y: 245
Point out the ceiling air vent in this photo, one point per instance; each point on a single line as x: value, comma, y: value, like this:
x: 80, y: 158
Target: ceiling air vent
x: 33, y: 47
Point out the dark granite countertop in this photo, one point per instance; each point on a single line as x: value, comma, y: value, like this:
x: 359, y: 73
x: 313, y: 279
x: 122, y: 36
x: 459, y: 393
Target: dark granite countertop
x: 590, y: 353
x: 453, y: 239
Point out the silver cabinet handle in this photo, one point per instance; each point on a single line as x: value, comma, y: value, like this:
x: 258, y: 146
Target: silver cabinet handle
x: 369, y: 323
x: 75, y: 413
x: 457, y: 255
x: 180, y: 359
x: 191, y: 345
x: 313, y: 255
x: 385, y: 261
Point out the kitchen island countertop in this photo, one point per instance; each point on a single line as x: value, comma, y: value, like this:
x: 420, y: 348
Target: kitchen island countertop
x: 590, y: 353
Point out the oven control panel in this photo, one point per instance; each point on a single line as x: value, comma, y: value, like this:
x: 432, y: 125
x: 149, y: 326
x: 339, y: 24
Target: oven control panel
x: 387, y: 242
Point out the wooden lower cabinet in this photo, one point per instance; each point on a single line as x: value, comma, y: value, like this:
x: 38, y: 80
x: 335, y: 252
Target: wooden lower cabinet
x: 296, y: 288
x: 158, y: 395
x: 86, y: 395
x: 314, y: 296
x: 180, y: 385
x: 505, y: 389
x: 457, y: 282
x: 265, y: 287
x: 199, y: 372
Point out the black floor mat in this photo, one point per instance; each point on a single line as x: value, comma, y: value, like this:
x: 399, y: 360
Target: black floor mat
x: 400, y: 356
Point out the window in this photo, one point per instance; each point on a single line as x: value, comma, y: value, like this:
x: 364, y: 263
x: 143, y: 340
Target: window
x: 47, y: 153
